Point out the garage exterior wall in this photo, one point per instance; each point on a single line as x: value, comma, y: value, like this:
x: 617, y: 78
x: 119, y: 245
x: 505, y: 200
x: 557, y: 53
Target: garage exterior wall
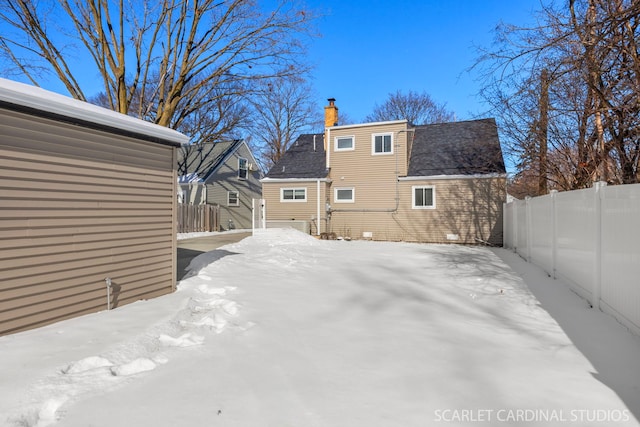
x: 78, y: 205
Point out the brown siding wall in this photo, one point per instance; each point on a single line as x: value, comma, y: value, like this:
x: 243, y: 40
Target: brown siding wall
x: 468, y: 208
x: 298, y: 211
x: 77, y: 206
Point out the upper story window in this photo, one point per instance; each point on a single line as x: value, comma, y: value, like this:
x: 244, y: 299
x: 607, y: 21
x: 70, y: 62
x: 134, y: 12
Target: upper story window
x: 344, y: 143
x: 293, y: 194
x: 424, y: 197
x: 243, y: 168
x: 382, y: 143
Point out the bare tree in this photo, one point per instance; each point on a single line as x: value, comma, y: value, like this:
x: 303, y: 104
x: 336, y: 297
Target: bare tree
x: 281, y: 109
x: 417, y: 108
x: 589, y: 48
x: 160, y: 60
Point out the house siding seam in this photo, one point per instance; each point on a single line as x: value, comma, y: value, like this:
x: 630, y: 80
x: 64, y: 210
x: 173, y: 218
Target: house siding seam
x: 79, y: 205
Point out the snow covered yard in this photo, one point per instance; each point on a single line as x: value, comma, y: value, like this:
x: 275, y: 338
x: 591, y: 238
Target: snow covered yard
x: 281, y: 329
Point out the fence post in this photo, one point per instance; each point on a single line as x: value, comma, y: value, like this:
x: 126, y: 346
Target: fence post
x: 598, y: 188
x: 514, y: 226
x: 529, y: 226
x: 554, y: 233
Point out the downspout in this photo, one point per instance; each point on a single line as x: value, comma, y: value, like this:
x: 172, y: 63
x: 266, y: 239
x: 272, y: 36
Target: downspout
x: 327, y: 146
x: 107, y: 281
x: 318, y: 207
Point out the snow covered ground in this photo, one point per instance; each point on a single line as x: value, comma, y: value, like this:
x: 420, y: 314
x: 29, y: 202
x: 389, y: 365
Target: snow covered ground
x: 282, y: 329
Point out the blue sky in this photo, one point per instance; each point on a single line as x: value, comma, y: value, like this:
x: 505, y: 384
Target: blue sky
x: 370, y: 48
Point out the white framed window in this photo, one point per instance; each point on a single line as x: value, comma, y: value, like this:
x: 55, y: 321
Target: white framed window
x: 345, y: 143
x: 344, y: 195
x: 424, y: 197
x: 298, y: 194
x: 382, y: 143
x: 233, y: 198
x: 243, y: 168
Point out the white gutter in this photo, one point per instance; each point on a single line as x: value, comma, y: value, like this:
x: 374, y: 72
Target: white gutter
x: 358, y: 125
x: 277, y: 180
x: 449, y: 177
x: 36, y: 98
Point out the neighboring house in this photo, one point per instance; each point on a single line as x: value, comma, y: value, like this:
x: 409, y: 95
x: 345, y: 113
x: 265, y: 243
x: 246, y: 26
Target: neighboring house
x: 392, y: 181
x: 225, y: 174
x: 86, y: 201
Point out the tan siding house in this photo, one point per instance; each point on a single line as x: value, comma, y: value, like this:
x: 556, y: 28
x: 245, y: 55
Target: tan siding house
x: 86, y: 195
x: 394, y: 181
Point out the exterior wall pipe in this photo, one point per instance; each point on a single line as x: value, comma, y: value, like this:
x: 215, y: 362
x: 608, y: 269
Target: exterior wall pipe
x: 317, y: 203
x: 108, y: 283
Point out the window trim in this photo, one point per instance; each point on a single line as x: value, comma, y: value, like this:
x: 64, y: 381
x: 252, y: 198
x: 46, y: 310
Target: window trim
x: 373, y: 144
x: 353, y: 143
x: 237, y: 193
x: 245, y: 169
x: 294, y: 200
x: 423, y: 187
x: 335, y: 195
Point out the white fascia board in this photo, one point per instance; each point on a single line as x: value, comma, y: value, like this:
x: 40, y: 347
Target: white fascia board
x: 43, y: 100
x: 359, y: 125
x: 450, y: 177
x: 280, y: 180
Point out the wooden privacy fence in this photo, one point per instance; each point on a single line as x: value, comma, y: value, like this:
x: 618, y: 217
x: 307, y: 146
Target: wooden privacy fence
x: 197, y: 218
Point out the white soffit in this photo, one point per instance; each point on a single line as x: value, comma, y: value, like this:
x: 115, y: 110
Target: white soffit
x: 47, y: 101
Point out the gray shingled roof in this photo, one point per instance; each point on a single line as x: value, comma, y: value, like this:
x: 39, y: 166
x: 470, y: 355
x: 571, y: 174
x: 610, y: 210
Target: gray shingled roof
x: 457, y: 148
x: 203, y: 159
x: 301, y: 159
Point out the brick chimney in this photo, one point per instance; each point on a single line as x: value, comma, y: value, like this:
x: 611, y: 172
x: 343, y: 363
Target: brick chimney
x: 331, y: 113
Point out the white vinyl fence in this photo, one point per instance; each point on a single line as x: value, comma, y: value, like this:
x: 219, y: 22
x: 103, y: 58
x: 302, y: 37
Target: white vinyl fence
x: 588, y: 238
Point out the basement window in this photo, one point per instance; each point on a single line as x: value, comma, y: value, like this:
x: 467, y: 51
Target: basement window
x: 424, y: 197
x: 344, y: 195
x: 293, y: 194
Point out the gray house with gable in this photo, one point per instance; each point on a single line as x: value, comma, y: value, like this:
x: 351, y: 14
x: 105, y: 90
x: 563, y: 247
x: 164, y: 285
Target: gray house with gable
x: 223, y: 173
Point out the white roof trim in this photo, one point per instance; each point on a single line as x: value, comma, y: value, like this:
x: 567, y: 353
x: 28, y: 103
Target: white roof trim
x: 359, y: 125
x: 277, y: 180
x: 448, y: 177
x: 44, y: 100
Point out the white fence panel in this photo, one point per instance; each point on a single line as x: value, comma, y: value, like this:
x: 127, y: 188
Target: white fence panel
x: 576, y: 225
x: 521, y: 229
x: 620, y: 290
x: 541, y: 234
x: 588, y: 238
